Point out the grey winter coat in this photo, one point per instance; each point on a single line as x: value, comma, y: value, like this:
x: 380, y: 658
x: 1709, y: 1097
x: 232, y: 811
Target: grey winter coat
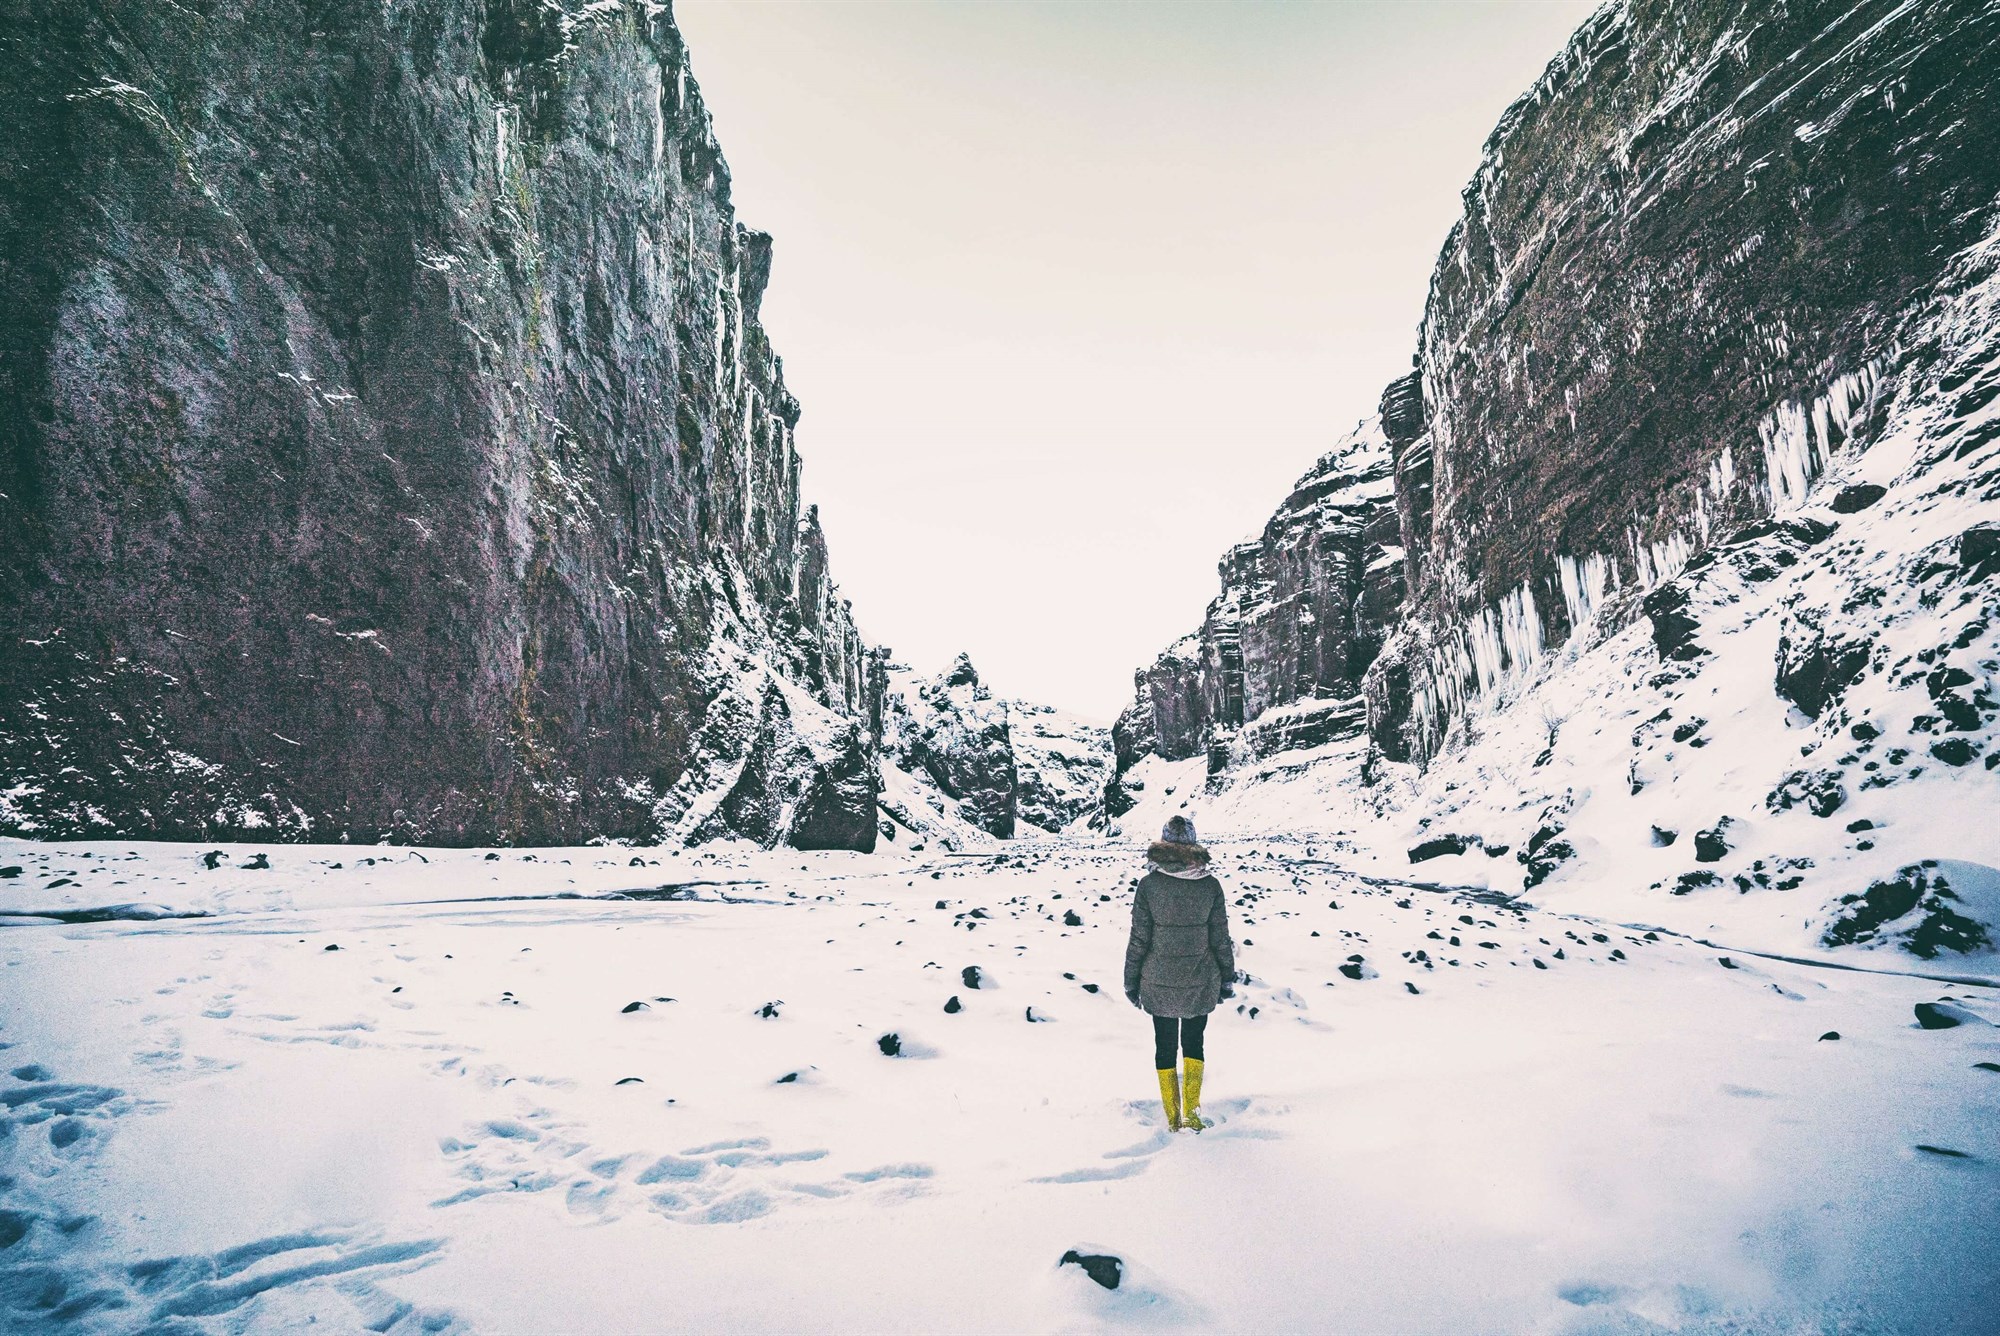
x: 1179, y: 956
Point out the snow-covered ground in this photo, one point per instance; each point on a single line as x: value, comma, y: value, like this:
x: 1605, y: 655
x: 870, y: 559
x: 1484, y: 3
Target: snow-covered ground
x: 414, y: 1095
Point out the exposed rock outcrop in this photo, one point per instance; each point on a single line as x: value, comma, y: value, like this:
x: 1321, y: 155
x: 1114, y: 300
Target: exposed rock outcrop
x: 1700, y: 455
x: 391, y: 448
x: 1303, y: 611
x: 1006, y: 767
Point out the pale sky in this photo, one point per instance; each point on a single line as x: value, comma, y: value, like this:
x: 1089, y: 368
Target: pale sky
x: 1072, y: 292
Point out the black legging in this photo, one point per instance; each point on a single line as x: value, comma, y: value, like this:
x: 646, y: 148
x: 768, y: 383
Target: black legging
x: 1165, y: 1030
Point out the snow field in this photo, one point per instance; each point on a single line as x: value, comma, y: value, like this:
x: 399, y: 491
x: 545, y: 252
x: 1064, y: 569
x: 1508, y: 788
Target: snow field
x: 219, y: 1124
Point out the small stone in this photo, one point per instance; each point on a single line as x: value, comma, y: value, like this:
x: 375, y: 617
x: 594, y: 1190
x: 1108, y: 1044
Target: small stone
x: 1726, y: 962
x: 952, y: 1006
x: 1070, y: 919
x: 1942, y: 1015
x: 631, y: 1007
x: 891, y: 1045
x: 630, y: 1080
x: 259, y: 863
x: 769, y: 1011
x: 10, y: 872
x: 212, y: 859
x: 1103, y: 1268
x: 331, y: 947
x: 971, y: 975
x: 787, y: 1079
x: 1830, y: 1034
x: 1945, y: 1151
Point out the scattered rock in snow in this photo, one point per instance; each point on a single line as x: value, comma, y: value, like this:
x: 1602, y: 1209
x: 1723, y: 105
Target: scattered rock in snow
x: 972, y: 977
x: 1071, y: 919
x: 769, y: 1011
x: 1857, y: 497
x: 258, y: 863
x: 1712, y: 845
x: 1945, y: 1151
x: 891, y: 1044
x: 1814, y: 669
x: 1103, y: 1268
x: 952, y: 1006
x: 1979, y: 550
x: 1953, y: 751
x: 1546, y: 852
x: 1920, y: 899
x: 630, y: 1080
x: 1664, y: 838
x: 1942, y: 1016
x: 1830, y: 1034
x: 1820, y: 791
x: 1673, y: 627
x: 212, y: 859
x: 10, y: 872
x: 631, y: 1007
x: 1442, y: 846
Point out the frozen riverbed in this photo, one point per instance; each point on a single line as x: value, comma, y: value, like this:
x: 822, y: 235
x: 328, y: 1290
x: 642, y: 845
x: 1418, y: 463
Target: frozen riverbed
x: 390, y: 1096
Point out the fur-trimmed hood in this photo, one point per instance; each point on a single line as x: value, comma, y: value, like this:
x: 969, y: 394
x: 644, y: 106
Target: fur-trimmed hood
x: 1186, y: 861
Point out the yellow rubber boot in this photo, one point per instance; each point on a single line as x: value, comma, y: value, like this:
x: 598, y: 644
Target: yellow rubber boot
x: 1170, y: 1098
x: 1191, y: 1096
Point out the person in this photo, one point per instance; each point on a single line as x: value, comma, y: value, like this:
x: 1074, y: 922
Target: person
x: 1178, y: 962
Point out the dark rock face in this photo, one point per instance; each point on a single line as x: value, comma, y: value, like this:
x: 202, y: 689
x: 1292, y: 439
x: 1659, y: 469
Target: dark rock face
x: 390, y: 444
x: 953, y: 731
x: 1632, y: 201
x: 1691, y: 259
x: 1302, y: 613
x: 1006, y: 767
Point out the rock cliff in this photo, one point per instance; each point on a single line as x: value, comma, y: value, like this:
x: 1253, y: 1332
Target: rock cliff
x: 388, y: 443
x: 953, y: 753
x: 1699, y: 453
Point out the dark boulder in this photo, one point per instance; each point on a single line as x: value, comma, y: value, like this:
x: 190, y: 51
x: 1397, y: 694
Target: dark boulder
x: 1712, y: 845
x: 1979, y: 550
x: 1819, y: 791
x: 1814, y: 669
x: 1441, y: 846
x: 1673, y: 626
x: 1856, y: 497
x: 1103, y: 1268
x: 1943, y: 1016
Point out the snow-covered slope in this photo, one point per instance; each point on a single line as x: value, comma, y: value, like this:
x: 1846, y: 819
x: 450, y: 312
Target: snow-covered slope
x: 831, y: 1092
x: 1698, y: 488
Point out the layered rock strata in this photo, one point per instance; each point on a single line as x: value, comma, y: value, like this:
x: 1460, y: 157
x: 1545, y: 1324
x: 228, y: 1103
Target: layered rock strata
x: 391, y: 448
